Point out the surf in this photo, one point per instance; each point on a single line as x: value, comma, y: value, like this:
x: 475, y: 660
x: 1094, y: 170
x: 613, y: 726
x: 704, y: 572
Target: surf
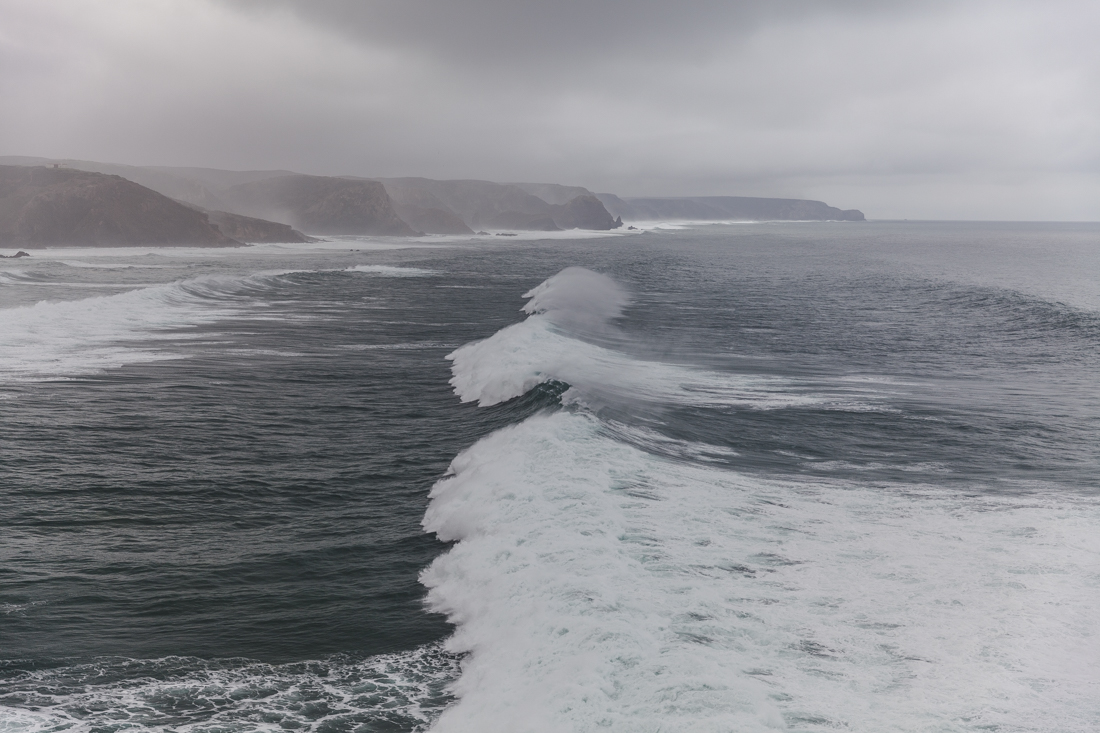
x: 598, y: 585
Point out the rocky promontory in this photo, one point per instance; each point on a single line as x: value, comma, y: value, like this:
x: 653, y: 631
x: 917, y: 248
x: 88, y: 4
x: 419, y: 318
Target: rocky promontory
x: 725, y: 208
x: 585, y: 212
x: 42, y: 207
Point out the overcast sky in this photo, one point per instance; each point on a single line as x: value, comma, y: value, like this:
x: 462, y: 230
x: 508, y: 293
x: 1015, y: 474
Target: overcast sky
x: 961, y: 110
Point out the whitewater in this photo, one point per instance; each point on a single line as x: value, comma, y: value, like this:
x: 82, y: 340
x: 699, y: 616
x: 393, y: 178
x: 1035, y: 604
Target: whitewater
x: 798, y: 477
x: 596, y: 586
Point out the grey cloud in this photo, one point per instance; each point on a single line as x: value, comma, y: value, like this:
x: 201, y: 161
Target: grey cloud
x: 547, y: 38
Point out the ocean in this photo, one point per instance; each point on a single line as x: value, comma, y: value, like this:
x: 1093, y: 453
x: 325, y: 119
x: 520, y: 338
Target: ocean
x: 734, y: 477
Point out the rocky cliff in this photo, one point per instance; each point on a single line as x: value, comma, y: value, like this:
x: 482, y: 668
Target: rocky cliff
x: 59, y: 206
x: 255, y: 231
x: 487, y: 205
x: 584, y: 212
x: 319, y: 205
x: 347, y: 205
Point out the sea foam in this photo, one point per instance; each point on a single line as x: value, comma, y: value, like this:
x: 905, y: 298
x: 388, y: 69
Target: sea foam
x: 595, y: 587
x: 599, y: 586
x: 402, y: 691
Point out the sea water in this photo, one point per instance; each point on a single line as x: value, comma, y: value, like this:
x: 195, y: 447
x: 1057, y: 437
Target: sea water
x: 752, y: 477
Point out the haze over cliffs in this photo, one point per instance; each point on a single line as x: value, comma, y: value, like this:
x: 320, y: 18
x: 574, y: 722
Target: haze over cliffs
x: 57, y: 206
x: 229, y: 207
x: 319, y: 204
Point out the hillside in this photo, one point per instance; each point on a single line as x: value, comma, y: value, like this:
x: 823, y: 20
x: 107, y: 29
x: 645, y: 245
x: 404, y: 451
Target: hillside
x: 58, y: 206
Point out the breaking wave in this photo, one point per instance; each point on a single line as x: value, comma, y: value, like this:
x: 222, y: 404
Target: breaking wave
x: 558, y: 342
x: 599, y: 586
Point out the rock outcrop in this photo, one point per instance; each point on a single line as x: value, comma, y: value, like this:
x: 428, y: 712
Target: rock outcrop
x: 319, y: 205
x: 42, y: 207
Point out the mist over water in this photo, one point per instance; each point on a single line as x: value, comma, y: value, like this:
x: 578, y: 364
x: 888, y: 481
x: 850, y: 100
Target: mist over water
x: 800, y: 477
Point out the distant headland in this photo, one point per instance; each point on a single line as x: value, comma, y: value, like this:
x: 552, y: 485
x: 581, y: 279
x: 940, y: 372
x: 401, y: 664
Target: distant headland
x: 45, y: 202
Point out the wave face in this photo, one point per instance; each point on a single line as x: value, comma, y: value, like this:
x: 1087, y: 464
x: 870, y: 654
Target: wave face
x: 55, y: 339
x: 614, y: 575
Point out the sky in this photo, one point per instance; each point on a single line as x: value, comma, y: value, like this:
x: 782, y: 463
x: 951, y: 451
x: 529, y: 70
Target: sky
x: 923, y: 110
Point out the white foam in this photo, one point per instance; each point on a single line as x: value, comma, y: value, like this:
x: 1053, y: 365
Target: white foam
x: 392, y: 271
x: 397, y: 691
x: 597, y: 587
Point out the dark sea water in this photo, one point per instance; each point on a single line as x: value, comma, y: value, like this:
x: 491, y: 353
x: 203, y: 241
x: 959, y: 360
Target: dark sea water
x: 754, y: 477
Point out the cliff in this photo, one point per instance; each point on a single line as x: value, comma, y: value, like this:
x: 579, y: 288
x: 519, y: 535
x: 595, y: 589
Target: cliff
x: 725, y: 208
x: 553, y: 193
x: 347, y: 205
x: 479, y: 204
x: 255, y: 231
x: 59, y: 206
x: 487, y: 205
x: 318, y: 204
x: 584, y: 212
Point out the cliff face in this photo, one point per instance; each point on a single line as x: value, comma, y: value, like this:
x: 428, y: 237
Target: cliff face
x: 319, y: 205
x: 433, y: 220
x: 487, y: 205
x: 553, y: 193
x: 255, y: 231
x: 726, y: 208
x: 59, y: 206
x: 585, y: 212
x: 349, y: 205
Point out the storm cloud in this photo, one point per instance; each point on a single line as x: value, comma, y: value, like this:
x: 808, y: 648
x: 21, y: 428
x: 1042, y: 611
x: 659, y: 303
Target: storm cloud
x: 973, y: 110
